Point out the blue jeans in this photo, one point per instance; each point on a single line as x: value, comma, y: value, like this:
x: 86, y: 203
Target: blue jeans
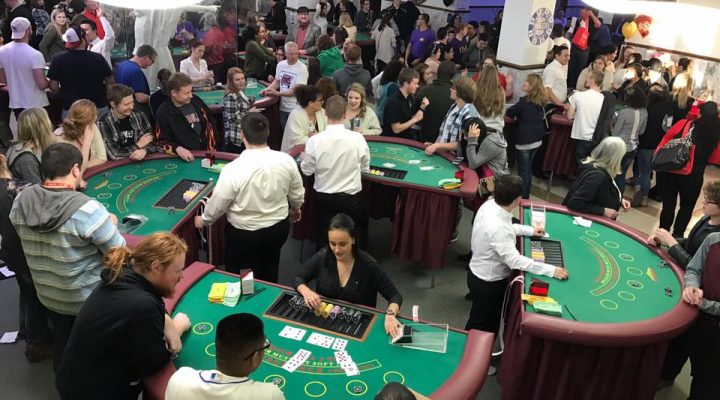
x: 644, y: 167
x: 624, y: 165
x: 524, y: 167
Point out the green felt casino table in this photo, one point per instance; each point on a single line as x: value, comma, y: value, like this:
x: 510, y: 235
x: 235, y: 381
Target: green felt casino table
x: 458, y: 373
x: 126, y: 187
x: 624, y: 302
x: 214, y: 98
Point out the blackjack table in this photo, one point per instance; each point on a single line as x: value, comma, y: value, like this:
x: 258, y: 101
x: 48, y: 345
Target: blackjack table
x: 404, y: 184
x: 150, y: 196
x: 618, y: 309
x: 458, y: 373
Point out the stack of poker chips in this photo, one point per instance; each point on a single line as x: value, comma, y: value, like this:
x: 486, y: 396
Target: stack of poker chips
x: 537, y: 253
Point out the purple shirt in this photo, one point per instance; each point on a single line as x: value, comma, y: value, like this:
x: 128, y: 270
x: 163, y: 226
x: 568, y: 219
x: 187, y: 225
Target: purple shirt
x: 459, y: 47
x: 421, y: 42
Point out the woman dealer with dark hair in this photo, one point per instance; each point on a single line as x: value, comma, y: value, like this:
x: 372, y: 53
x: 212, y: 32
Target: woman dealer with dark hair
x: 345, y: 272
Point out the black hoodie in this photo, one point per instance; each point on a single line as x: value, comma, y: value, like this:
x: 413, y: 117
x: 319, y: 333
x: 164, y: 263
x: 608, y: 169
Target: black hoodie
x: 173, y: 129
x: 117, y: 339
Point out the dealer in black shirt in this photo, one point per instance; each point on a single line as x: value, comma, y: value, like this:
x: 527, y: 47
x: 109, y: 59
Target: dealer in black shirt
x: 345, y: 272
x: 398, y: 117
x: 123, y: 333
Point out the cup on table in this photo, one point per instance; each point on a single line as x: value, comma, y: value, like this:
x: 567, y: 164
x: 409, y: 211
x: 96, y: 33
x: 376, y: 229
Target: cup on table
x: 537, y: 216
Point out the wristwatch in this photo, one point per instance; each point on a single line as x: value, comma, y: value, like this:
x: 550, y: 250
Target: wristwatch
x: 390, y: 312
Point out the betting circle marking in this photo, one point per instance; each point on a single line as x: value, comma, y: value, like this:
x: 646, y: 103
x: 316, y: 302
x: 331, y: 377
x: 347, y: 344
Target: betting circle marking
x: 315, y: 395
x: 609, y: 304
x: 106, y: 205
x: 626, y: 257
x: 635, y: 284
x: 611, y: 245
x: 208, y: 347
x: 627, y: 296
x: 385, y: 377
x: 277, y: 380
x: 113, y: 186
x: 130, y: 177
x: 634, y: 271
x: 104, y: 196
x: 170, y: 166
x: 149, y: 171
x: 202, y: 328
x: 591, y: 233
x: 356, y: 387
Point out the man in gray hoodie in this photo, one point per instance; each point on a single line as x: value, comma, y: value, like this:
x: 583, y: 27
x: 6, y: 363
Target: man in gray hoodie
x: 352, y: 73
x: 65, y: 235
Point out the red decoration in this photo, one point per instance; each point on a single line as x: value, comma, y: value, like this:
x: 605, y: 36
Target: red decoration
x: 644, y: 23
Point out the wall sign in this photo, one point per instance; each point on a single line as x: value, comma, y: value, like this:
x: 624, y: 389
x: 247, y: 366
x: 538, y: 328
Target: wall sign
x: 540, y: 26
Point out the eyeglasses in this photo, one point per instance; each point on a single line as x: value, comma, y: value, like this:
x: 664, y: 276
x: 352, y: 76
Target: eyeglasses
x: 266, y: 346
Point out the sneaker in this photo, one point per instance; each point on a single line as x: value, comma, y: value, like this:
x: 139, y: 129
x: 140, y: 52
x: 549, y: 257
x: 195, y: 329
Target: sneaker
x: 35, y: 353
x: 637, y: 198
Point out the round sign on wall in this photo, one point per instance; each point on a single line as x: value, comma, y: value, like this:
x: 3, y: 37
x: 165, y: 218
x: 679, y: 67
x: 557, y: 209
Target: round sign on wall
x: 540, y: 26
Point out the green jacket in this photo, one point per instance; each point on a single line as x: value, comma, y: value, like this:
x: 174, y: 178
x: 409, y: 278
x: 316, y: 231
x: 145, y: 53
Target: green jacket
x: 255, y: 59
x: 330, y: 61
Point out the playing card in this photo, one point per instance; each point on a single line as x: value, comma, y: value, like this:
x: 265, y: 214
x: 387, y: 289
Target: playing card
x: 352, y: 370
x: 321, y: 340
x: 414, y: 162
x: 292, y: 333
x: 296, y: 360
x: 339, y: 344
x: 389, y: 165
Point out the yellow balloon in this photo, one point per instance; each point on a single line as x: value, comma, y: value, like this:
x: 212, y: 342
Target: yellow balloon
x: 629, y: 29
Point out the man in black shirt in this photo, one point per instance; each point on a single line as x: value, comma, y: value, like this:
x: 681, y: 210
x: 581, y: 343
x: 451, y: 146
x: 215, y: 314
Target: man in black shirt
x: 275, y: 20
x: 438, y: 93
x: 183, y: 122
x: 16, y: 8
x: 79, y: 73
x: 123, y: 333
x: 398, y: 117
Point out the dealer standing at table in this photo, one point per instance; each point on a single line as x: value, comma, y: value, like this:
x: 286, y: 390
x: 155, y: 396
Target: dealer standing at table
x: 494, y: 254
x: 254, y: 191
x: 337, y: 156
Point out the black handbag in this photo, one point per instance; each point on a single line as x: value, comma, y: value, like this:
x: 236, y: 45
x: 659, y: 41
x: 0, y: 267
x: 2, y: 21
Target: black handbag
x: 676, y: 152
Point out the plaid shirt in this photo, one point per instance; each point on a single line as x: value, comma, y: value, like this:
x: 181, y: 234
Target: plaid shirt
x: 452, y: 124
x: 42, y: 20
x: 120, y: 144
x: 236, y: 105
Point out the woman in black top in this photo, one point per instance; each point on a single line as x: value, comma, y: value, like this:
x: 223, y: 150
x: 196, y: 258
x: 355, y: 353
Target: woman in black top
x: 705, y: 135
x: 595, y: 191
x: 682, y: 96
x: 682, y: 250
x: 344, y: 272
x: 659, y: 109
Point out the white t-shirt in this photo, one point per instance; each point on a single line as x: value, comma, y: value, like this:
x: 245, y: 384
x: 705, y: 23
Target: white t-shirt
x: 288, y: 76
x: 555, y: 77
x: 189, y: 384
x: 587, y: 110
x: 18, y: 60
x: 188, y: 68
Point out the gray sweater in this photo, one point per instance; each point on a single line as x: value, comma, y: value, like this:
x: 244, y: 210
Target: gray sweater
x: 492, y: 151
x: 629, y: 125
x: 705, y: 257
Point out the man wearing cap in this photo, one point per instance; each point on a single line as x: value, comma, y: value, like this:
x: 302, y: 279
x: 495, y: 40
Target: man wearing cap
x: 22, y: 68
x: 130, y: 73
x: 93, y: 12
x: 79, y: 73
x: 16, y: 8
x: 305, y: 34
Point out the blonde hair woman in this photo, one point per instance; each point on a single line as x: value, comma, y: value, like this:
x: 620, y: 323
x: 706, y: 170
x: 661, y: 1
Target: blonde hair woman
x: 34, y: 136
x: 358, y: 115
x: 682, y: 95
x: 80, y: 129
x: 52, y: 42
x: 594, y: 190
x: 490, y: 99
x: 347, y: 23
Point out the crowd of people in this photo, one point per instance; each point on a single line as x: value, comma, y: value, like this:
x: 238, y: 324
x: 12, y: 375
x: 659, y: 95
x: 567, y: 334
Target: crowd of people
x: 72, y: 263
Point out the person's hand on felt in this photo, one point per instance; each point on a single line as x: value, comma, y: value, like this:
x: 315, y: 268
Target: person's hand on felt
x: 312, y: 299
x: 199, y: 223
x: 474, y: 130
x: 145, y: 140
x: 294, y: 215
x: 560, y: 273
x: 172, y: 336
x: 625, y: 204
x: 662, y: 236
x: 181, y: 322
x: 391, y: 325
x: 431, y: 148
x: 610, y: 213
x: 692, y: 296
x: 184, y: 154
x: 138, y: 155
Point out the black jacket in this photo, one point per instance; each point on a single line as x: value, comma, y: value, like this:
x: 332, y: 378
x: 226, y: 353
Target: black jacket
x: 117, y: 339
x: 11, y: 250
x: 592, y: 192
x: 174, y: 131
x: 684, y: 251
x: 657, y: 112
x: 438, y: 93
x: 275, y: 20
x: 607, y: 112
x: 530, y: 121
x: 21, y: 11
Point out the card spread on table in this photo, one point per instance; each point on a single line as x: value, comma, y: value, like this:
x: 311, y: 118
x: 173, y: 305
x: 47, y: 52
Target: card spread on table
x: 414, y: 162
x: 296, y: 360
x: 426, y: 168
x: 389, y: 165
x: 346, y: 363
x: 293, y: 333
x: 339, y: 344
x: 321, y: 340
x: 585, y: 223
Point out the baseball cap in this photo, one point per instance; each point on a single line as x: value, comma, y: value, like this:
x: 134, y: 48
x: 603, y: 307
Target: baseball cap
x: 73, y: 37
x: 19, y: 26
x: 303, y: 9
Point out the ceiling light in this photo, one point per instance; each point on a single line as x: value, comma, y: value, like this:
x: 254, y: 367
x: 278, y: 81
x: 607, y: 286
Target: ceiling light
x: 151, y: 4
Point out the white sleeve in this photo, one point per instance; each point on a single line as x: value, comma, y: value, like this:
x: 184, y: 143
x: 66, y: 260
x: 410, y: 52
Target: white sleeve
x: 509, y: 255
x: 38, y: 62
x: 223, y: 195
x: 184, y: 67
x: 523, y: 230
x: 308, y: 163
x: 548, y: 77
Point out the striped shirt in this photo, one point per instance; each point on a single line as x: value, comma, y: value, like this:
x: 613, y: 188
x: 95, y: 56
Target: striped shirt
x: 452, y: 124
x: 66, y: 263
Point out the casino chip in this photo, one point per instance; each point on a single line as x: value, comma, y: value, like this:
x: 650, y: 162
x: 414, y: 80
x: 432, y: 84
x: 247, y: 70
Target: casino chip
x: 276, y: 381
x: 357, y: 389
